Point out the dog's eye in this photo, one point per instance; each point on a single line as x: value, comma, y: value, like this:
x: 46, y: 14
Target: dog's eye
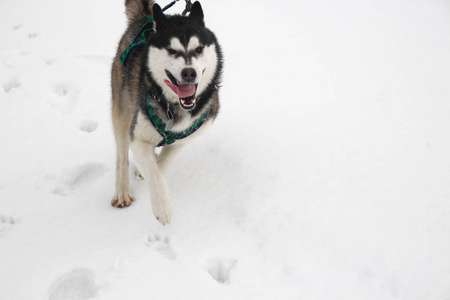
x: 171, y: 51
x: 199, y: 50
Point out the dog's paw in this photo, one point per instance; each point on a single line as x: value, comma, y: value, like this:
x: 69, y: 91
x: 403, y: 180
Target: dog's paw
x: 162, y: 211
x: 122, y: 199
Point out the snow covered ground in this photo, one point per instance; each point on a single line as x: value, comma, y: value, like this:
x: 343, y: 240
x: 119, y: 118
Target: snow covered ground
x: 326, y: 176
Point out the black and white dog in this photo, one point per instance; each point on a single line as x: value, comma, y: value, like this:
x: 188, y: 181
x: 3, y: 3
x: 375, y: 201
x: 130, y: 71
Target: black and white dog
x: 165, y: 80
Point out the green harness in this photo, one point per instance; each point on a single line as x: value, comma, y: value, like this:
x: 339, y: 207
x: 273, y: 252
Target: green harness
x: 170, y: 137
x: 139, y: 39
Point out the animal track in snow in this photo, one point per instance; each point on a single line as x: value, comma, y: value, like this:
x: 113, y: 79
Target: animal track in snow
x: 160, y: 244
x: 76, y: 285
x: 50, y: 61
x: 12, y: 84
x: 64, y: 97
x: 85, y: 173
x: 80, y: 176
x: 32, y: 35
x: 88, y: 126
x: 6, y: 222
x: 17, y: 26
x: 219, y: 269
x: 61, y: 89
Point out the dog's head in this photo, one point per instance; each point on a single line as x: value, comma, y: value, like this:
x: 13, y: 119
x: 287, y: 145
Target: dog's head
x: 184, y: 56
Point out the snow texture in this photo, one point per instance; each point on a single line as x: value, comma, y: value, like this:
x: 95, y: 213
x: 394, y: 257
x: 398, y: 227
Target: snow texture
x: 326, y: 175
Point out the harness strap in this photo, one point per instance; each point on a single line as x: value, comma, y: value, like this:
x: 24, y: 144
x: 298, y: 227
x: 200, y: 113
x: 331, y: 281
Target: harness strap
x: 170, y: 137
x: 139, y: 39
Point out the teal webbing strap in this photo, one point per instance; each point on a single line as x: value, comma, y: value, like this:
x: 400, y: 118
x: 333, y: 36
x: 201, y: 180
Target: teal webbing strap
x: 168, y: 136
x: 139, y: 39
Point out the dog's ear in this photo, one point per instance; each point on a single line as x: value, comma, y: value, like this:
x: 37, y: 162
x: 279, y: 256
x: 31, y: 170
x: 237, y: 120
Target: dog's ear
x: 159, y: 19
x: 196, y: 14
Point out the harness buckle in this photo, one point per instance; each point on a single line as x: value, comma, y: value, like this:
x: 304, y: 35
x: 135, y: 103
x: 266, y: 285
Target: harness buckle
x: 169, y: 124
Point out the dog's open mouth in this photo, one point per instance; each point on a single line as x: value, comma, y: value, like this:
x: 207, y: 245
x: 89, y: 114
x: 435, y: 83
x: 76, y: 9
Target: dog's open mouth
x: 185, y: 91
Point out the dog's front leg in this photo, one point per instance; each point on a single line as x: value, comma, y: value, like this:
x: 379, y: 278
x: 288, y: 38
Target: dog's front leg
x: 159, y: 192
x: 122, y: 196
x: 167, y: 155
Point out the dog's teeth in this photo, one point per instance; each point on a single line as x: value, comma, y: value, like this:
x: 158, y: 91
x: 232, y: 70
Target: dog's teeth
x: 178, y: 82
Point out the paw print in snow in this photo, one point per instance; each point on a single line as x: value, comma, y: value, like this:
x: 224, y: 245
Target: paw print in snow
x: 160, y: 244
x: 11, y: 85
x: 32, y: 35
x: 88, y: 126
x: 219, y: 269
x: 78, y: 284
x: 6, y: 223
x: 83, y: 175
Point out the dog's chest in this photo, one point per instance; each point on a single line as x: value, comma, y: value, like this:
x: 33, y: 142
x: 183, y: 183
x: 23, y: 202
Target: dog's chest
x: 145, y: 131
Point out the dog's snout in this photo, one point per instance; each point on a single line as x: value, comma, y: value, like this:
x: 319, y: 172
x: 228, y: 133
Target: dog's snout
x: 188, y: 74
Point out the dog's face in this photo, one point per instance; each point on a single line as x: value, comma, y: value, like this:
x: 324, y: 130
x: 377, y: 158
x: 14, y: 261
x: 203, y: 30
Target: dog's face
x: 183, y: 56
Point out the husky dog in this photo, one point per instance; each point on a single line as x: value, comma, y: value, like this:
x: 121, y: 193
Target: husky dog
x: 164, y: 93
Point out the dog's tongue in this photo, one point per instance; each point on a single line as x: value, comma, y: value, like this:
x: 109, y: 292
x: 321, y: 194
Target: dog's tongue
x: 182, y: 90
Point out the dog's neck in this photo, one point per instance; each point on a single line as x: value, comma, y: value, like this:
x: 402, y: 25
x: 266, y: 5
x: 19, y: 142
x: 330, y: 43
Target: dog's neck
x: 156, y: 94
x: 165, y: 105
x: 164, y: 128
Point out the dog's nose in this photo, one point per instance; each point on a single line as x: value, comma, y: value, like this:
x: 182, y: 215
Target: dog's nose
x: 188, y: 74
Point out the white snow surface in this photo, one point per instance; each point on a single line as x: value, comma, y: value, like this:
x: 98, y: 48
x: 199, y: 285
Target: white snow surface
x: 325, y: 176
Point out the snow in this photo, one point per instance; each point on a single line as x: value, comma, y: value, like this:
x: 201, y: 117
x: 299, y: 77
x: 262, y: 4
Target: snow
x: 326, y: 175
